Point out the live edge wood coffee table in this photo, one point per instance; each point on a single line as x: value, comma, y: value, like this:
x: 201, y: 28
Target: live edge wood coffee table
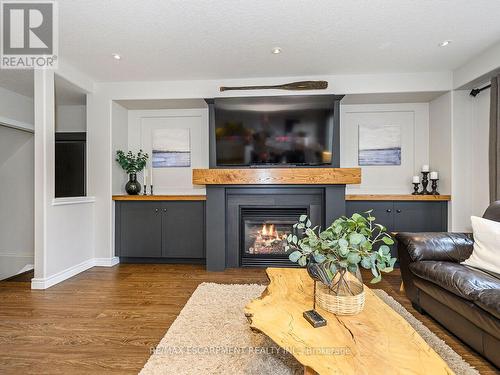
x: 376, y: 341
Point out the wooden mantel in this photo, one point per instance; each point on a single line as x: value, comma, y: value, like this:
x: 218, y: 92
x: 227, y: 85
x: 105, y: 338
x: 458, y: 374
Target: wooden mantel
x: 277, y: 176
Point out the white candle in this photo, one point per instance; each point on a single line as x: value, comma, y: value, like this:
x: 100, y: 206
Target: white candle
x: 425, y: 168
x: 145, y: 176
x: 434, y: 175
x: 151, y: 177
x: 416, y: 179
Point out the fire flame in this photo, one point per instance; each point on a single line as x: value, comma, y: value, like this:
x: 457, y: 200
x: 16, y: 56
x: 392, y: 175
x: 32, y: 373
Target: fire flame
x: 269, y: 231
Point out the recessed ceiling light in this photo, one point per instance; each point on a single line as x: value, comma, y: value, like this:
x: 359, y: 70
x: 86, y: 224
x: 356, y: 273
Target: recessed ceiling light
x: 116, y: 56
x: 276, y: 50
x: 444, y: 43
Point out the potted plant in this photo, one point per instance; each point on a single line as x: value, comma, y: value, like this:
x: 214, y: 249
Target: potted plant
x: 333, y: 257
x: 132, y: 164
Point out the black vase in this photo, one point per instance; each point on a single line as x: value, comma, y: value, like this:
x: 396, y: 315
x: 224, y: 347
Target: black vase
x: 133, y: 187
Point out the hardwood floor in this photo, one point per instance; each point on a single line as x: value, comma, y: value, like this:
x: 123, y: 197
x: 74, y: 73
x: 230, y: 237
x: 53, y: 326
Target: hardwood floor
x: 105, y: 320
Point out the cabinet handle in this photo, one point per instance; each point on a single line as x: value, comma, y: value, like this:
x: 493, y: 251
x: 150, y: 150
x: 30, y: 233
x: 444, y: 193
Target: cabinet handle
x: 388, y: 210
x: 164, y: 210
x: 398, y: 211
x: 156, y: 210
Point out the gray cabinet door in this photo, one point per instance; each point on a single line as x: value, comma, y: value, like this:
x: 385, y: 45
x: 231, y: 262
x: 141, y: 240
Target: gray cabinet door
x: 183, y: 229
x: 420, y: 216
x: 381, y: 210
x: 140, y: 229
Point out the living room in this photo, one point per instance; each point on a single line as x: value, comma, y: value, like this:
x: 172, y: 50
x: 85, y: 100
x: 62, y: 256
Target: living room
x: 267, y: 187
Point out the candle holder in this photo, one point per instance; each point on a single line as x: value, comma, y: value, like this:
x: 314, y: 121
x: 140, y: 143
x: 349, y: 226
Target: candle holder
x: 415, y: 188
x: 425, y: 182
x: 434, y: 186
x: 151, y: 191
x: 145, y: 190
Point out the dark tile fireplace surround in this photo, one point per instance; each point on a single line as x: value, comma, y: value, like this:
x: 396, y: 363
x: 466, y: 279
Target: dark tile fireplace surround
x: 246, y: 226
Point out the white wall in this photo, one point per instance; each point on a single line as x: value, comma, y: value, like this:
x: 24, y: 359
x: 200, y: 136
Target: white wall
x: 100, y: 162
x: 470, y: 186
x: 470, y: 134
x: 16, y: 108
x: 71, y: 118
x: 462, y: 167
x: 140, y: 133
x: 338, y: 84
x: 120, y: 140
x: 440, y: 126
x: 479, y: 157
x: 413, y: 119
x: 64, y: 227
x: 16, y: 200
x: 99, y: 125
x: 16, y: 169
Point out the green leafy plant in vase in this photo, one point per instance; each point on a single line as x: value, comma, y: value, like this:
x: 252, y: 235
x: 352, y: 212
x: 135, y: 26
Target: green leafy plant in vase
x: 333, y: 257
x: 132, y: 164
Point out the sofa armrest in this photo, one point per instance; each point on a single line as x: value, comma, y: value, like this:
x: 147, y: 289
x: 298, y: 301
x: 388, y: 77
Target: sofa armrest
x: 414, y: 247
x: 438, y: 246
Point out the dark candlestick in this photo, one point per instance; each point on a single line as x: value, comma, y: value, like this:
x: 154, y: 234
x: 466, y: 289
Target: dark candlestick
x: 151, y: 192
x: 415, y: 188
x: 145, y: 190
x: 434, y: 187
x: 425, y: 182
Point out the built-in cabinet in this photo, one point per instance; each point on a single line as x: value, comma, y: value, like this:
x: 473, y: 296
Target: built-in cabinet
x: 149, y: 230
x: 405, y: 216
x: 168, y: 230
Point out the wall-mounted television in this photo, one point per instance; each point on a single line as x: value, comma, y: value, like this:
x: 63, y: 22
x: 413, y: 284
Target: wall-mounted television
x: 275, y: 131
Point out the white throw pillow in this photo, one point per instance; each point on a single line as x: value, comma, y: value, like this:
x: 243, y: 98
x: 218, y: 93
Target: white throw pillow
x: 486, y: 253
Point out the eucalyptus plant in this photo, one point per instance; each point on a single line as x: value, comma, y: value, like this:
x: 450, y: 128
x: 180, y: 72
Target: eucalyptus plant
x: 340, y: 248
x: 130, y: 162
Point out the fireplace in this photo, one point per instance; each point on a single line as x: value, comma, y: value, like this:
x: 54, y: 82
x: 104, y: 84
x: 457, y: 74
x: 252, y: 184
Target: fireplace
x: 263, y: 233
x: 230, y: 208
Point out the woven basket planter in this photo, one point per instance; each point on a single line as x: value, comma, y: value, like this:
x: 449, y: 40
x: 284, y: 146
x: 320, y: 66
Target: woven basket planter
x: 339, y: 304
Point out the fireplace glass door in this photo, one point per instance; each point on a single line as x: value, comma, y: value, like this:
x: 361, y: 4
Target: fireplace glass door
x: 264, y: 232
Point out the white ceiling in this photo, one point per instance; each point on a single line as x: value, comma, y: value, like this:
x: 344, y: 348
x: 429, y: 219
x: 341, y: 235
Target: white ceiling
x: 200, y: 39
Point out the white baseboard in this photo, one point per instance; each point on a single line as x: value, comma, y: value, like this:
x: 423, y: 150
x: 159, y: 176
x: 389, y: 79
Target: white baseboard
x: 107, y: 262
x: 47, y: 282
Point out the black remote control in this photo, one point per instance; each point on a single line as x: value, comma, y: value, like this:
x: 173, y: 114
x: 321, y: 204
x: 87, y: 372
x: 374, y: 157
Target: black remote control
x: 313, y: 317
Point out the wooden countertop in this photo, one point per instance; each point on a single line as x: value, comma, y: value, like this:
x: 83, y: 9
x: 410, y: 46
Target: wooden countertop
x: 348, y: 197
x: 159, y: 197
x: 396, y: 197
x: 277, y: 176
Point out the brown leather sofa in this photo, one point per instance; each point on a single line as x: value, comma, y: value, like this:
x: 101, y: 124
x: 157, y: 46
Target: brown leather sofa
x: 463, y: 299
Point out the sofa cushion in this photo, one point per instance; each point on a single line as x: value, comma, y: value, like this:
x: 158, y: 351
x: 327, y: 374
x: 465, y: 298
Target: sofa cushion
x: 486, y: 253
x: 489, y: 300
x: 458, y: 279
x: 451, y: 247
x: 429, y: 291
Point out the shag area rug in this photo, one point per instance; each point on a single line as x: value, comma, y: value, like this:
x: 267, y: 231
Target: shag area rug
x: 211, y: 335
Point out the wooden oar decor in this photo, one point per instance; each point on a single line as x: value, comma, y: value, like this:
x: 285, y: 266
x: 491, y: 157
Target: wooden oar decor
x: 293, y: 86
